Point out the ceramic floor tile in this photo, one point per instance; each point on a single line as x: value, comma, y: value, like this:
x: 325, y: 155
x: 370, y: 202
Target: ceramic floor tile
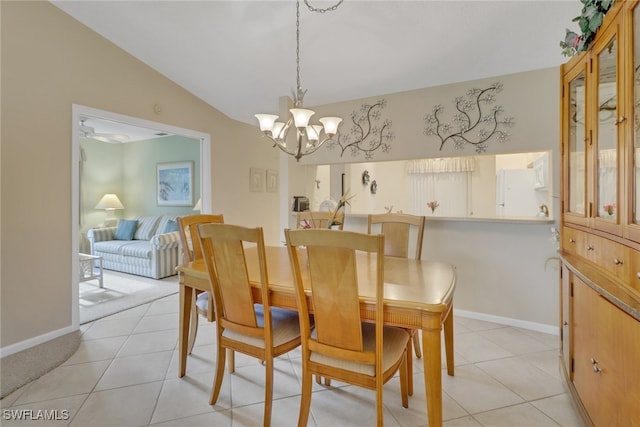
x: 189, y: 396
x: 149, y: 342
x: 523, y: 378
x: 52, y: 413
x: 160, y: 322
x: 462, y: 422
x: 416, y: 413
x: 560, y: 409
x: 138, y: 311
x: 514, y: 341
x: 94, y: 350
x: 476, y: 391
x: 475, y: 325
x: 123, y: 407
x: 10, y: 399
x: 105, y: 328
x: 64, y: 381
x: 284, y: 413
x: 202, y: 359
x: 247, y: 382
x: 547, y: 361
x: 170, y: 304
x: 475, y: 348
x: 346, y: 407
x: 210, y: 419
x: 551, y: 340
x: 206, y: 334
x: 518, y: 415
x: 139, y: 369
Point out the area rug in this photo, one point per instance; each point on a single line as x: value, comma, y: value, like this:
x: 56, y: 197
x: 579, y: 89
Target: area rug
x: 121, y: 291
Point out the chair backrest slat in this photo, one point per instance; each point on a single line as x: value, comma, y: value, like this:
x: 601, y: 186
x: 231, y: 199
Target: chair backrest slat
x: 188, y: 227
x: 224, y: 253
x: 333, y: 277
x: 396, y: 229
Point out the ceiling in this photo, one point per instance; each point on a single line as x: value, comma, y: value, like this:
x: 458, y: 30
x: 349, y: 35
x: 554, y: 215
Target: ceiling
x: 239, y: 56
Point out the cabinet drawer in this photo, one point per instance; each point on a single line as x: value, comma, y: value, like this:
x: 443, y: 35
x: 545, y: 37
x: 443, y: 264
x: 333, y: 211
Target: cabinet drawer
x: 611, y: 256
x: 633, y: 283
x: 574, y: 241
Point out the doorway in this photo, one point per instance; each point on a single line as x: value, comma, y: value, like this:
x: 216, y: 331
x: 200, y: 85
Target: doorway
x: 81, y: 112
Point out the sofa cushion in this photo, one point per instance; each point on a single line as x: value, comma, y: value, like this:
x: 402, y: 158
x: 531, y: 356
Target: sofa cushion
x: 141, y: 249
x: 162, y: 224
x: 126, y: 229
x: 172, y: 225
x: 111, y: 246
x: 146, y: 227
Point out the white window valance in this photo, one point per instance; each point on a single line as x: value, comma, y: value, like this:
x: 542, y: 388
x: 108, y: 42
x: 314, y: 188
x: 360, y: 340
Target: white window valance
x: 442, y: 165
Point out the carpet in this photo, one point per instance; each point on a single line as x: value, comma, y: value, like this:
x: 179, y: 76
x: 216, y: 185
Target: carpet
x: 121, y: 291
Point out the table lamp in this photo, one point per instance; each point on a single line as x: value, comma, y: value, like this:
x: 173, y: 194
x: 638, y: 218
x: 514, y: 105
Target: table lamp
x: 110, y: 203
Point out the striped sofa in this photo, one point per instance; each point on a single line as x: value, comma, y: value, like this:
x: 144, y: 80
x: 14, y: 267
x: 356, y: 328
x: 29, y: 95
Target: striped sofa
x: 152, y: 252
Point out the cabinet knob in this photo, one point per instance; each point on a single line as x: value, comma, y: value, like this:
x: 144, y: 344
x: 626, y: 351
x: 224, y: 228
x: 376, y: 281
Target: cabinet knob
x: 565, y: 323
x: 617, y: 261
x: 593, y: 361
x: 620, y: 120
x: 572, y: 240
x: 596, y: 369
x: 589, y: 248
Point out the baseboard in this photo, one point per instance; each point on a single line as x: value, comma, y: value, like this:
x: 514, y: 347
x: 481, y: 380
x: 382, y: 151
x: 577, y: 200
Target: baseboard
x: 32, y: 342
x: 517, y: 323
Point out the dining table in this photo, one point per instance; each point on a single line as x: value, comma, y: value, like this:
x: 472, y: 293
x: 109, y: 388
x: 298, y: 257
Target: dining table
x: 418, y: 294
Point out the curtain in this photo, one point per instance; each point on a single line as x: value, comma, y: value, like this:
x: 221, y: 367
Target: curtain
x: 447, y: 181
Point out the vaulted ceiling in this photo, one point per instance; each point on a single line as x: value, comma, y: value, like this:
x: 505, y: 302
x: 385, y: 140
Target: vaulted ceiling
x: 240, y: 56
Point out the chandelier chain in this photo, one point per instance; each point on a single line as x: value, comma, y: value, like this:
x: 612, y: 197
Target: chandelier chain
x: 328, y: 9
x: 298, y: 45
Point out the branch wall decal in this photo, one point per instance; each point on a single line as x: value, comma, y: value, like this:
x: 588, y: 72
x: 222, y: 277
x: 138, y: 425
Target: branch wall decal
x: 367, y: 134
x: 476, y: 121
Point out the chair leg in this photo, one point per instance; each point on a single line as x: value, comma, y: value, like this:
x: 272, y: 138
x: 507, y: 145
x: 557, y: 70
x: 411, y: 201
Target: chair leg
x: 403, y: 379
x: 305, y: 401
x: 193, y: 328
x: 268, y: 391
x: 416, y: 343
x: 231, y: 361
x: 217, y: 381
x: 410, y: 366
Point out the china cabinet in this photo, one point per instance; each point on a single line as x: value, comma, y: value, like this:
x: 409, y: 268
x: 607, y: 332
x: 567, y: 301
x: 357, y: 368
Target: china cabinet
x: 600, y: 222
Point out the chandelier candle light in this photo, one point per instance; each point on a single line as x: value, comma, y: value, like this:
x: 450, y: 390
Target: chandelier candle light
x: 308, y: 137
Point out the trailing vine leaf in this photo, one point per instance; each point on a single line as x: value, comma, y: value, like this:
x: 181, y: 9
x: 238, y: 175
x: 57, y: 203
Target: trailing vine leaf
x: 589, y: 21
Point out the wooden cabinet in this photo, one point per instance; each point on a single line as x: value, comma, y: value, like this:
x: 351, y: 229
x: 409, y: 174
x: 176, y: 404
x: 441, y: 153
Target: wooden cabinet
x: 600, y: 222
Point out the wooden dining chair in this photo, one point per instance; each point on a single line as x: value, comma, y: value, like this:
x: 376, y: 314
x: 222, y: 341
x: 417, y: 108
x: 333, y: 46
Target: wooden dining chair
x: 191, y: 251
x: 339, y: 345
x: 244, y: 325
x: 397, y: 228
x: 316, y: 219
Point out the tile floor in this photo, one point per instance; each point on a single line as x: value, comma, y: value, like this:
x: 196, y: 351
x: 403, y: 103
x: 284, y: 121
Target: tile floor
x: 125, y: 374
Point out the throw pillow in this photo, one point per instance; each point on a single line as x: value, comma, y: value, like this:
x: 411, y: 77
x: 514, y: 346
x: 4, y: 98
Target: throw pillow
x: 126, y: 229
x: 172, y: 225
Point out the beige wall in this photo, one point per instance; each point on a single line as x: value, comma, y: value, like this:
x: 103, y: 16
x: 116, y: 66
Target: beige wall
x: 49, y: 62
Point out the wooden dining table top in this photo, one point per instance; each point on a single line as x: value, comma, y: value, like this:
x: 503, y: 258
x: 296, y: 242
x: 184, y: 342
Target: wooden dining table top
x: 415, y: 284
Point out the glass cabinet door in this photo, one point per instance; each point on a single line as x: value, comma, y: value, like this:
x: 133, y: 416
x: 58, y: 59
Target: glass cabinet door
x: 607, y: 121
x: 635, y: 163
x: 576, y: 176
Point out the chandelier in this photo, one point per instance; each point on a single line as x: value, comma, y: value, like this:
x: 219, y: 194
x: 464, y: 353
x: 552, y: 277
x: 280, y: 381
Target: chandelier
x: 309, y: 137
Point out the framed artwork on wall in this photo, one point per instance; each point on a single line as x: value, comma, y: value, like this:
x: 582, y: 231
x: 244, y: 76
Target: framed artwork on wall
x: 256, y: 180
x: 174, y: 183
x: 272, y: 181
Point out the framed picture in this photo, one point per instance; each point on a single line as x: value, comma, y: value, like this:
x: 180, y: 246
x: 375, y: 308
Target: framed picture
x: 256, y: 180
x: 272, y: 181
x: 175, y: 184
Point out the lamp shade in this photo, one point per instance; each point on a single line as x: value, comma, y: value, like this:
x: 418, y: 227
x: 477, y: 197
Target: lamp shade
x: 109, y: 202
x: 330, y: 124
x: 301, y: 116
